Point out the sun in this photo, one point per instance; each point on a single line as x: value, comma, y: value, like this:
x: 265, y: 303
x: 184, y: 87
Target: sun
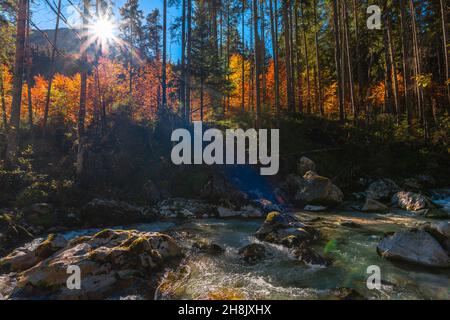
x: 103, y: 29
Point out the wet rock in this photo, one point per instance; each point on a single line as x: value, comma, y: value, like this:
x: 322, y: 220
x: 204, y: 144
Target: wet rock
x: 382, y: 189
x: 371, y: 205
x: 313, y: 189
x: 413, y: 246
x: 103, y: 212
x: 249, y: 211
x: 206, y: 246
x: 107, y: 260
x: 253, y: 252
x: 7, y: 284
x: 304, y: 165
x: 184, y: 208
x: 286, y: 230
x: 173, y: 284
x: 411, y: 201
x: 440, y: 231
x: 309, y: 256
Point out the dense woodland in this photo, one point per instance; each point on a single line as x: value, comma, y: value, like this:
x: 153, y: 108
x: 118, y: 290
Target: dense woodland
x: 258, y: 61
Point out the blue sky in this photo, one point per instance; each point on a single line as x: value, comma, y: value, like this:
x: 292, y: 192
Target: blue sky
x: 45, y: 18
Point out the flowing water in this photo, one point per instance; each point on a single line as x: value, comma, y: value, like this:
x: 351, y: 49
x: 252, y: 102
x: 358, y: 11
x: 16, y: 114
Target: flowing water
x: 281, y: 276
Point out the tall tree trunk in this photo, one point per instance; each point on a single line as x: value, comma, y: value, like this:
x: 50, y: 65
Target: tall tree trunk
x: 343, y: 55
x: 263, y: 52
x: 288, y: 55
x: 3, y: 100
x: 188, y: 62
x: 28, y: 63
x: 130, y: 67
x: 52, y: 67
x: 337, y: 58
x: 405, y: 61
x: 417, y: 66
x: 164, y: 58
x: 349, y: 62
x: 394, y: 69
x: 305, y: 44
x: 243, y: 58
x: 183, y: 60
x: 444, y: 43
x: 298, y: 57
x: 318, y: 76
x: 359, y: 69
x: 83, y: 88
x: 228, y: 56
x: 257, y: 64
x: 202, y: 81
x: 13, y: 136
x: 273, y: 31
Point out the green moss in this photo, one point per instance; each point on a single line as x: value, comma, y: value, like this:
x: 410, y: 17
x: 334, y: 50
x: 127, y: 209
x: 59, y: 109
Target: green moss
x: 51, y: 237
x: 138, y: 245
x: 106, y: 233
x: 272, y: 215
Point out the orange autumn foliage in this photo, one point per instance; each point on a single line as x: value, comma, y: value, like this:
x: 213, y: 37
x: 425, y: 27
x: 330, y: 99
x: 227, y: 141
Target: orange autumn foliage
x: 113, y: 88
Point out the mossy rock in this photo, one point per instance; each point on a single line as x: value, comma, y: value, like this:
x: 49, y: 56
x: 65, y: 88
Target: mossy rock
x: 271, y: 216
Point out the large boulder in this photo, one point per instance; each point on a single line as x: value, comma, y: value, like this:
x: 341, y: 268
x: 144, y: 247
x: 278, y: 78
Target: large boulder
x: 280, y: 227
x: 219, y: 191
x: 382, y: 189
x: 205, y: 246
x: 440, y: 231
x: 304, y: 165
x: 414, y: 246
x: 25, y: 257
x: 109, y: 261
x: 287, y: 230
x: 313, y: 189
x: 253, y: 252
x: 411, y: 201
x: 103, y: 212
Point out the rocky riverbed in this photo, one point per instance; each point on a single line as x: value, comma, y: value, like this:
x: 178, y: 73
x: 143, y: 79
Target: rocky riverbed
x: 214, y: 265
x: 232, y: 246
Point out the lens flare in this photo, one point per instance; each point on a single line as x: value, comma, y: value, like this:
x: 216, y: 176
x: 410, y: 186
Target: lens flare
x: 103, y: 29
